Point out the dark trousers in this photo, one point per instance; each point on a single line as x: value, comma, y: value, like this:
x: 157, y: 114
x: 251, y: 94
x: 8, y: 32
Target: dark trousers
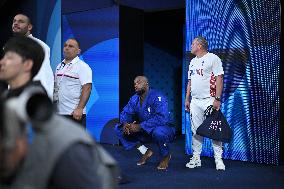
x: 81, y: 122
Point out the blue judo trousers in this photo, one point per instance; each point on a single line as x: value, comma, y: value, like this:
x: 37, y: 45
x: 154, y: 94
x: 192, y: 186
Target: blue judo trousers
x: 154, y: 119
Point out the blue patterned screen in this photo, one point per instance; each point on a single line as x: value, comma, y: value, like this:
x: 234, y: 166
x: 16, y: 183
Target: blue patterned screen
x: 97, y: 31
x: 245, y: 34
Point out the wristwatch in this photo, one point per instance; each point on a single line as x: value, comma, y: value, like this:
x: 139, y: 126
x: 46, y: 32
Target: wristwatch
x: 217, y: 98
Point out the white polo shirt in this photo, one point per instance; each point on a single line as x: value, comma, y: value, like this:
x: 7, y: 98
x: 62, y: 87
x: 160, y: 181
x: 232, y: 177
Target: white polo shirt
x: 69, y: 79
x: 202, y: 72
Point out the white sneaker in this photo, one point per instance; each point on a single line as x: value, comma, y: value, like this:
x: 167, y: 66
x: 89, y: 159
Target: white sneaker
x: 194, y: 162
x: 219, y: 164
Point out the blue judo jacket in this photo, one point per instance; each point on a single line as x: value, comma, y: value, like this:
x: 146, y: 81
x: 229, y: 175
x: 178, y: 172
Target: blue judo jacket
x: 152, y: 113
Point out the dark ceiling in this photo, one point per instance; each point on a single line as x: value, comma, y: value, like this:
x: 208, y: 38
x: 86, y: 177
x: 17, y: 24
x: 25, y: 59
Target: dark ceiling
x: 69, y: 6
x: 153, y: 5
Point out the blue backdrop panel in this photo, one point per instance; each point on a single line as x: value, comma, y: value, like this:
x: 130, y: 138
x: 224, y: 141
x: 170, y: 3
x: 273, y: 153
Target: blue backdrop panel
x: 97, y: 32
x: 46, y: 17
x: 245, y: 34
x: 157, y: 62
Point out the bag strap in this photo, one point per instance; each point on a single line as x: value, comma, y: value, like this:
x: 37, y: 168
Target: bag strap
x: 208, y: 110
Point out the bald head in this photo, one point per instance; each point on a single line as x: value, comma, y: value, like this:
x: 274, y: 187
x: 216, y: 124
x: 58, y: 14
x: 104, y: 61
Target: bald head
x: 141, y: 78
x: 141, y: 85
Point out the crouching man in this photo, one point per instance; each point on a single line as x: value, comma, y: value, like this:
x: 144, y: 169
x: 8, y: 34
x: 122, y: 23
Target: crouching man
x: 146, y: 118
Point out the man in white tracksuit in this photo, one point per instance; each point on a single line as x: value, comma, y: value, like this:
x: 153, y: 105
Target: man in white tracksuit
x: 22, y: 26
x: 205, y: 85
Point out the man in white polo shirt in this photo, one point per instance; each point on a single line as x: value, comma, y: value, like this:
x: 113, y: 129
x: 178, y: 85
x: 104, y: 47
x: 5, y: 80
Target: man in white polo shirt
x: 205, y: 85
x: 73, y: 83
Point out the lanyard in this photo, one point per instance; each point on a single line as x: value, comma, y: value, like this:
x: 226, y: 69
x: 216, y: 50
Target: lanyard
x: 66, y: 68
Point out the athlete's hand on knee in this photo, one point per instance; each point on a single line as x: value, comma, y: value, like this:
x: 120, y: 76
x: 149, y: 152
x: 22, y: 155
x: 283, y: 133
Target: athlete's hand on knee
x: 126, y: 128
x: 134, y: 128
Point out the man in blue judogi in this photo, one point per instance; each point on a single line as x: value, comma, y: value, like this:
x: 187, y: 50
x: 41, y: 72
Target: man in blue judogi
x: 146, y: 118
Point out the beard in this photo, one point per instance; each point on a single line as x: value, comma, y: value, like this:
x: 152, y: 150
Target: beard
x: 140, y: 92
x: 20, y: 32
x: 17, y: 34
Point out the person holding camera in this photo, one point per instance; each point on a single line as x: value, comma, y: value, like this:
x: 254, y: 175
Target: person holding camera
x: 61, y: 153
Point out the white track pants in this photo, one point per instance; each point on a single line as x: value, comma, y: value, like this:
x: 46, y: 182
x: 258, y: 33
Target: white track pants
x: 197, y: 108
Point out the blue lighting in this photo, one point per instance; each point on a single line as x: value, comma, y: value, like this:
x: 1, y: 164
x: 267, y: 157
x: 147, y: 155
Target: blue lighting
x: 245, y: 34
